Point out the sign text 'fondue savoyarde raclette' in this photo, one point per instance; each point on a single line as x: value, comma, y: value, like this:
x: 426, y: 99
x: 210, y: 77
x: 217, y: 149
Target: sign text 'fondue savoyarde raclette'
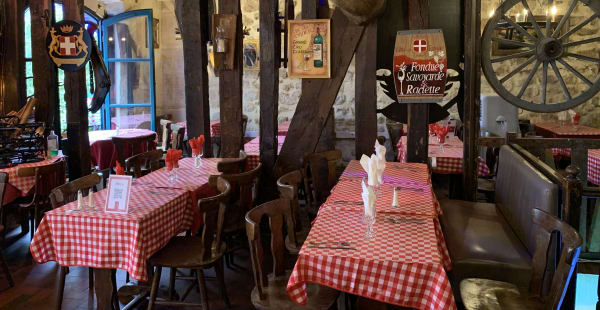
x: 420, y: 65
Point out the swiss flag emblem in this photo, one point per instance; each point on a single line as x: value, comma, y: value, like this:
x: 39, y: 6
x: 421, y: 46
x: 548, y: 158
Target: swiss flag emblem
x: 420, y: 45
x: 67, y: 46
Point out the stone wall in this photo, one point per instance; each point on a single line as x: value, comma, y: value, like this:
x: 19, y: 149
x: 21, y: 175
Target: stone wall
x: 590, y: 114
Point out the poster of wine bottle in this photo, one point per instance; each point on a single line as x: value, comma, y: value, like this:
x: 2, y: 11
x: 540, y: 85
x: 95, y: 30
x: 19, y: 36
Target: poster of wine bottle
x: 309, y: 49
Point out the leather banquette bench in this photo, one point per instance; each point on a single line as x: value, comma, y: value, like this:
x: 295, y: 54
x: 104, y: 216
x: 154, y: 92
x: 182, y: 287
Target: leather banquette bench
x: 497, y: 240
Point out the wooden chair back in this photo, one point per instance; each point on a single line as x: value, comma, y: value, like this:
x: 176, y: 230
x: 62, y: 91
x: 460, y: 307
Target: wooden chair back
x: 570, y: 245
x: 213, y: 210
x: 135, y: 144
x: 150, y: 161
x: 178, y: 133
x: 322, y: 168
x: 243, y: 190
x: 68, y: 192
x: 278, y: 211
x: 233, y: 166
x: 288, y: 185
x: 47, y: 178
x: 165, y: 124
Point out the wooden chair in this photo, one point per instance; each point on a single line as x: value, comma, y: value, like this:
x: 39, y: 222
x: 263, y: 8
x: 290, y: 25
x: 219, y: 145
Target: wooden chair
x: 269, y: 292
x: 60, y: 196
x: 321, y: 167
x: 487, y: 185
x: 135, y: 144
x: 233, y: 166
x: 491, y: 294
x: 241, y: 200
x: 47, y: 178
x: 3, y: 265
x: 143, y: 163
x: 197, y: 252
x: 178, y: 133
x: 288, y: 185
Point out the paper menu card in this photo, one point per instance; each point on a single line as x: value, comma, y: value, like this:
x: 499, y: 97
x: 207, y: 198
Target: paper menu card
x: 119, y: 190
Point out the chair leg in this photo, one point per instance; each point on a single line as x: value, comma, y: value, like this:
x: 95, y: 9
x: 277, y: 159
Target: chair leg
x: 60, y: 287
x: 4, y: 267
x: 154, y: 290
x: 126, y: 276
x: 115, y: 294
x: 219, y: 269
x: 90, y: 278
x: 202, y: 285
x: 172, y: 283
x: 32, y: 225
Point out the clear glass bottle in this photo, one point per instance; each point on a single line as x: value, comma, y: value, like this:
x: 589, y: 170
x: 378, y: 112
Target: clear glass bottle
x: 52, y: 142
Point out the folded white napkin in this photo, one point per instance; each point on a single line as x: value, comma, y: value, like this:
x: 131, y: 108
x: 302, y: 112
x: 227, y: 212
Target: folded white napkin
x: 380, y: 153
x: 370, y: 166
x: 368, y: 196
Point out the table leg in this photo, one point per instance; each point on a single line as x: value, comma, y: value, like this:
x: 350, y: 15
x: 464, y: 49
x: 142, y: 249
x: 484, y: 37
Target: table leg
x: 104, y: 288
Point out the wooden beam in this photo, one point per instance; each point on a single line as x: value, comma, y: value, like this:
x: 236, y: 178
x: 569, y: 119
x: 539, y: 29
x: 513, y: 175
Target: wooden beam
x: 44, y: 71
x: 311, y: 10
x: 417, y: 141
x: 365, y: 88
x: 78, y: 147
x: 317, y: 100
x: 12, y: 87
x: 270, y: 55
x: 472, y: 91
x: 192, y: 17
x: 230, y: 89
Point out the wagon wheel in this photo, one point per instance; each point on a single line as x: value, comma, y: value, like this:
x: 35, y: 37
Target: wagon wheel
x: 544, y: 48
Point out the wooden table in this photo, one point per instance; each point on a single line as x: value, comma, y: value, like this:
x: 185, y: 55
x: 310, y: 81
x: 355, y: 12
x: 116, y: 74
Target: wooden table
x: 21, y: 186
x: 102, y: 151
x: 404, y: 264
x: 557, y: 130
x: 109, y: 241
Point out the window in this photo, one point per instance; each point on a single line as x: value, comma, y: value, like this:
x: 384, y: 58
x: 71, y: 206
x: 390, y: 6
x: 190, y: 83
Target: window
x: 94, y: 119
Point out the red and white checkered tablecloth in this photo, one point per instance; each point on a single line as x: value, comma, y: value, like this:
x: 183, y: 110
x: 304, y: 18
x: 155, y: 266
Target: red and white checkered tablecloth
x: 25, y: 184
x: 283, y: 128
x: 446, y: 161
x: 252, y: 149
x: 557, y: 130
x: 401, y: 265
x: 103, y: 240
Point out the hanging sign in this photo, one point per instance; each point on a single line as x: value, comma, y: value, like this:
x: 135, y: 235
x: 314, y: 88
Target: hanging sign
x: 309, y: 48
x: 119, y: 190
x: 420, y: 65
x: 69, y: 45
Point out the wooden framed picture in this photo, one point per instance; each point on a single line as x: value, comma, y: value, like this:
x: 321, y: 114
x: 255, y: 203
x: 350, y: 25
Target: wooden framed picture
x: 251, y: 52
x: 309, y: 48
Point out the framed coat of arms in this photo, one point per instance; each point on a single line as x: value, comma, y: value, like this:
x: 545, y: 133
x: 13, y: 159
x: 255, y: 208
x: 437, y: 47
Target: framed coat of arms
x: 69, y: 45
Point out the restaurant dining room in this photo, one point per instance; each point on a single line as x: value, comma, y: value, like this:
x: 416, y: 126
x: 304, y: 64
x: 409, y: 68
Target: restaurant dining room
x: 300, y: 154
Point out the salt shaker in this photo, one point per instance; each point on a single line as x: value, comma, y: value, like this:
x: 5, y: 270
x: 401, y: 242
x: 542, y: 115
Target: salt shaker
x: 395, y: 198
x: 79, y: 200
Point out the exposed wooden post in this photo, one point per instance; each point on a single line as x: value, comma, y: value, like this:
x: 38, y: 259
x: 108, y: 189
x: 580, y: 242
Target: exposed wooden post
x: 365, y: 88
x: 472, y: 90
x: 192, y: 17
x: 270, y: 56
x: 311, y: 10
x: 12, y: 85
x: 230, y: 89
x: 417, y: 138
x: 77, y: 117
x: 317, y: 100
x: 44, y: 71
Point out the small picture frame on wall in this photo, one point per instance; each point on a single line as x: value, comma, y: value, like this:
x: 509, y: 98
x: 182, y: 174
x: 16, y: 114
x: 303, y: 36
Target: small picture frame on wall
x: 251, y: 55
x: 309, y: 48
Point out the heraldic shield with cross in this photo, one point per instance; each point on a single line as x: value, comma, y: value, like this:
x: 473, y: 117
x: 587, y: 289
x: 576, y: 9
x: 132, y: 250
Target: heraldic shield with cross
x: 69, y: 45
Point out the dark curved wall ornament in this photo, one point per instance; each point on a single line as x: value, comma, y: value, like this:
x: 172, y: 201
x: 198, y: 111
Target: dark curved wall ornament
x: 443, y: 14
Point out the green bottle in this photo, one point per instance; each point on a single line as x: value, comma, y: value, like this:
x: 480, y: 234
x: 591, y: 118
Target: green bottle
x: 318, y: 49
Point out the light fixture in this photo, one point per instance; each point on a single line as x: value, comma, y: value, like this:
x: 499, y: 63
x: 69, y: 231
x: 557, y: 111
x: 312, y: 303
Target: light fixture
x: 110, y: 39
x: 492, y: 12
x: 123, y: 39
